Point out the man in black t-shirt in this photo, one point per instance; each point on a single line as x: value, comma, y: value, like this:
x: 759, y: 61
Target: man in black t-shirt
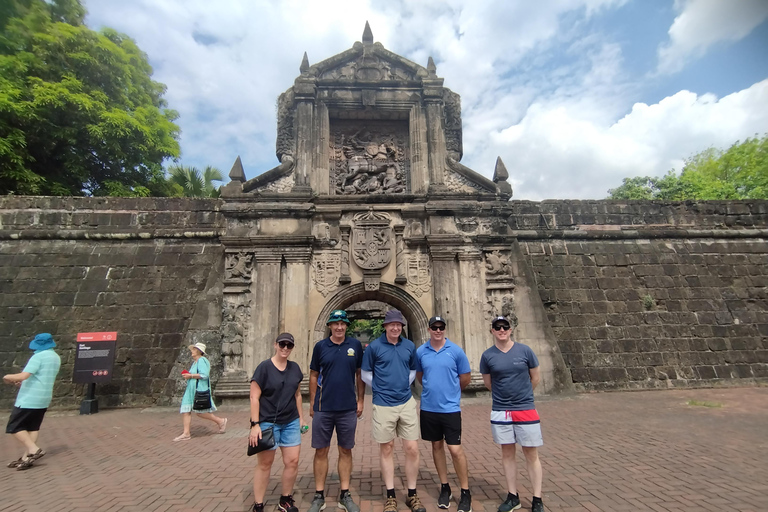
x: 337, y: 394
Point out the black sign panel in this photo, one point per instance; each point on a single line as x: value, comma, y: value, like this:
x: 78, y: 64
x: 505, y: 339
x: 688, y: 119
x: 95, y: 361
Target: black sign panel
x: 94, y: 357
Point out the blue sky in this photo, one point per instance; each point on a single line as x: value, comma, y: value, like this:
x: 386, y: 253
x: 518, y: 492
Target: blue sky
x: 574, y: 95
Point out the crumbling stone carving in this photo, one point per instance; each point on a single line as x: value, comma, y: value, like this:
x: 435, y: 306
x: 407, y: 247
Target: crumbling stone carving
x: 500, y: 302
x: 418, y: 274
x: 235, y: 317
x: 372, y: 240
x: 498, y: 264
x: 238, y: 267
x: 368, y: 68
x: 325, y: 272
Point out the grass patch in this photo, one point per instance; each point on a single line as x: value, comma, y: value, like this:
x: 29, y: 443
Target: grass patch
x: 704, y: 403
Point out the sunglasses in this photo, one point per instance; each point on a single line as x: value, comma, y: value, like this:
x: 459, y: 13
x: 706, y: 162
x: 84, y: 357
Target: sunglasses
x: 501, y: 327
x: 438, y: 327
x: 285, y: 344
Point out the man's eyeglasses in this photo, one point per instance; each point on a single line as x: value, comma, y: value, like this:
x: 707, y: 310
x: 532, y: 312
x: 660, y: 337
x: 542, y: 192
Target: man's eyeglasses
x: 501, y: 327
x: 438, y: 327
x: 285, y: 344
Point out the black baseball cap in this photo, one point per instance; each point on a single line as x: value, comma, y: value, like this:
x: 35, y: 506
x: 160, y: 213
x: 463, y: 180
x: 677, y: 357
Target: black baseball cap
x: 286, y: 336
x: 437, y: 320
x: 500, y: 319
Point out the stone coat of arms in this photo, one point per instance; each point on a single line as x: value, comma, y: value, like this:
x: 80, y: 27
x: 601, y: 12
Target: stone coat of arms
x: 418, y: 274
x: 371, y: 240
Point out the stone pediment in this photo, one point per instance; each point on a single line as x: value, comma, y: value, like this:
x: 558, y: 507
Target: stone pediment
x: 369, y: 122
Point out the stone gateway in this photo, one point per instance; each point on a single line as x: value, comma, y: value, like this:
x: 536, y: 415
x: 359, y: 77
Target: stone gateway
x: 369, y: 208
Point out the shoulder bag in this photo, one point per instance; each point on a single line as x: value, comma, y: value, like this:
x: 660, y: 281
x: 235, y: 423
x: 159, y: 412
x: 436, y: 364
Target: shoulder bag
x: 202, y: 398
x: 267, y: 441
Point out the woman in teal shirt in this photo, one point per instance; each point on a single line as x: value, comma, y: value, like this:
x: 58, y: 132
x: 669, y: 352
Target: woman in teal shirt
x: 197, y: 380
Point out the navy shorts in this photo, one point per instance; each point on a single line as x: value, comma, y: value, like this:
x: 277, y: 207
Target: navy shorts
x: 436, y: 426
x: 25, y: 419
x: 323, y: 423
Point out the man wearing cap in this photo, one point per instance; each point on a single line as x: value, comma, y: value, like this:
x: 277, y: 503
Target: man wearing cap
x: 337, y: 394
x: 511, y: 372
x: 35, y: 384
x: 443, y: 370
x: 389, y: 367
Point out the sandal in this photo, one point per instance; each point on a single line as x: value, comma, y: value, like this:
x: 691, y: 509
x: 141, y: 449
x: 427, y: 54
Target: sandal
x: 25, y: 464
x: 182, y: 437
x: 15, y: 463
x: 223, y: 427
x: 38, y: 454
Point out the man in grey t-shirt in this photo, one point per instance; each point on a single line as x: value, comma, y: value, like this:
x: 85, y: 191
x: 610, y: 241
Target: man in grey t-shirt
x: 510, y: 371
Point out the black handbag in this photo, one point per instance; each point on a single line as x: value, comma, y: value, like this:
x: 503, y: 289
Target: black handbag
x: 202, y: 398
x: 267, y: 442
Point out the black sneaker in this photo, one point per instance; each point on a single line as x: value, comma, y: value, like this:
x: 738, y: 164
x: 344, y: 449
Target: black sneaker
x: 537, y: 507
x: 511, y: 503
x: 465, y: 503
x: 444, y: 500
x: 258, y: 507
x: 287, y: 504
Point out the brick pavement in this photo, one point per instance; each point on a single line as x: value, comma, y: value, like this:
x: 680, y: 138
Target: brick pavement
x: 604, y: 452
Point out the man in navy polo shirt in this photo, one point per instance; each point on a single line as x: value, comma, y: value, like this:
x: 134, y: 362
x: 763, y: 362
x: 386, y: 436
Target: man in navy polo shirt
x: 443, y: 370
x: 389, y: 367
x: 336, y: 393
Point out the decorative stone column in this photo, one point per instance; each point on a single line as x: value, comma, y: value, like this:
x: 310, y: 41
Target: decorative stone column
x: 306, y: 140
x: 474, y: 322
x: 266, y: 307
x: 400, y: 255
x: 344, y: 277
x: 295, y: 290
x: 445, y: 276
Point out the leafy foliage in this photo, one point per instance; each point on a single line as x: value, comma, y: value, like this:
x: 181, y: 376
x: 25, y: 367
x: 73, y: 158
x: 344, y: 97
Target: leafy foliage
x: 374, y: 328
x: 740, y: 172
x: 193, y: 183
x: 79, y: 112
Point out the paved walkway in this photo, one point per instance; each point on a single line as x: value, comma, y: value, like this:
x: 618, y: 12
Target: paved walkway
x: 627, y: 451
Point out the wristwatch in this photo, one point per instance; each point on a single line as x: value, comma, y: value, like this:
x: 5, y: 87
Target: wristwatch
x: 254, y: 423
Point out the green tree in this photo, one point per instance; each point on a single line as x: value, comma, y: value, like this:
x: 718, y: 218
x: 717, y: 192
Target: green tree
x: 194, y: 183
x: 740, y: 172
x: 79, y: 112
x: 374, y: 328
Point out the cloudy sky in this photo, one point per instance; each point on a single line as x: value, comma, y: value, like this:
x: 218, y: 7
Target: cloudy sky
x: 574, y: 95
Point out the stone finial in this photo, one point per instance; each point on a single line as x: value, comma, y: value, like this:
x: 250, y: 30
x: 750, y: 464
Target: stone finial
x: 304, y: 67
x: 500, y: 172
x: 367, y: 34
x: 431, y: 68
x: 237, y: 173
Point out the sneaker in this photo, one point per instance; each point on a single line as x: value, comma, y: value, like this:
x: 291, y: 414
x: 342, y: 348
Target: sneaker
x: 346, y: 503
x: 318, y: 503
x: 511, y: 503
x: 287, y: 504
x: 465, y: 503
x: 444, y: 500
x: 414, y: 503
x: 391, y: 505
x: 258, y: 507
x: 537, y: 507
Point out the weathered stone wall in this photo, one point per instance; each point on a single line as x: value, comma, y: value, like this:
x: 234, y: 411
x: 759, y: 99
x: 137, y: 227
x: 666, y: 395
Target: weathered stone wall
x: 645, y: 295
x: 146, y: 268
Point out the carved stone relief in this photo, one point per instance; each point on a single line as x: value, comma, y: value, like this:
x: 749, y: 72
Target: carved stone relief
x: 372, y: 240
x: 325, y: 272
x: 453, y: 131
x: 236, y: 314
x: 369, y: 157
x: 455, y: 182
x: 418, y: 274
x: 238, y: 267
x: 498, y: 264
x: 500, y: 302
x: 281, y: 186
x: 415, y: 229
x: 368, y: 68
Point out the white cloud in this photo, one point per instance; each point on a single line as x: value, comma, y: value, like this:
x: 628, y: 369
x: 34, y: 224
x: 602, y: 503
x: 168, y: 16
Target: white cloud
x: 555, y: 152
x: 702, y: 23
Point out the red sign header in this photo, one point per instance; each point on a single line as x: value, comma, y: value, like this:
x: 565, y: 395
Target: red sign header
x: 96, y: 336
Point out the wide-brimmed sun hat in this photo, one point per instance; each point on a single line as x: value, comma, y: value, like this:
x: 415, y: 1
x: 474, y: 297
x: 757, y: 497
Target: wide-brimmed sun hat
x: 338, y: 315
x: 42, y: 341
x: 199, y: 346
x: 392, y: 316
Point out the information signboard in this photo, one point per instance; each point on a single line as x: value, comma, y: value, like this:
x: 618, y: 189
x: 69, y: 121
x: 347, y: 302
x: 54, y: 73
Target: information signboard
x: 94, y: 357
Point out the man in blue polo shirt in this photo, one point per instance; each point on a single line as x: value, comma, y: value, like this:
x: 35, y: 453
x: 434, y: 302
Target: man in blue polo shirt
x: 389, y: 367
x: 336, y: 393
x: 35, y: 384
x: 443, y: 370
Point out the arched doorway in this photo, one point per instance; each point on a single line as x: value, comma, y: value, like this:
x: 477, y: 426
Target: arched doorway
x: 387, y: 293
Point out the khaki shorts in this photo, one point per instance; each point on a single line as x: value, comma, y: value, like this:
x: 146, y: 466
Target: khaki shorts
x: 396, y: 421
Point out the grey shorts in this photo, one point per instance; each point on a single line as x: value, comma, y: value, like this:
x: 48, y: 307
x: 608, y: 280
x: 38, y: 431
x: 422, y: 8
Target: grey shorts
x: 516, y: 427
x: 323, y: 423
